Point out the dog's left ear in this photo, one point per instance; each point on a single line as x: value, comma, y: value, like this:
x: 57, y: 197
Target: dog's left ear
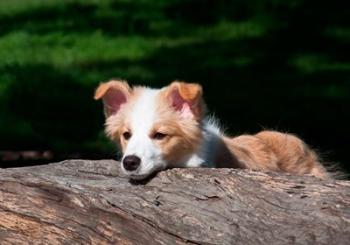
x: 186, y: 98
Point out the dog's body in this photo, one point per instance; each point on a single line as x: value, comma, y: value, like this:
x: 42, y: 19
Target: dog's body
x: 166, y: 128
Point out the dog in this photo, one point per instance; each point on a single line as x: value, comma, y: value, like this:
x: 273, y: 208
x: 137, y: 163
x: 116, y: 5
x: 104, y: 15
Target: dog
x: 165, y: 128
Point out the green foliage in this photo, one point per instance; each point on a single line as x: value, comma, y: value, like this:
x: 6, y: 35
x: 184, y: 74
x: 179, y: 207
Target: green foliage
x: 276, y: 64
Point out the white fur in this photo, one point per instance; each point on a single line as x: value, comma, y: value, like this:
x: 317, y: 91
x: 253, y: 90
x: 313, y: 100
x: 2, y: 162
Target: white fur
x: 142, y: 118
x: 204, y: 157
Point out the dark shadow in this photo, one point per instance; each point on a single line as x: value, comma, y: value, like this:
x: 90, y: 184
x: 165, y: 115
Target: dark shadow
x: 143, y: 181
x: 59, y: 113
x: 293, y: 77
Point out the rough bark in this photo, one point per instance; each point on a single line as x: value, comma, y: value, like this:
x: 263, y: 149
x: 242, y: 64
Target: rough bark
x: 90, y: 202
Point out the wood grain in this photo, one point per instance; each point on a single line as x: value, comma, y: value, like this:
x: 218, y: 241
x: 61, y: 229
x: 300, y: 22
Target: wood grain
x: 91, y: 202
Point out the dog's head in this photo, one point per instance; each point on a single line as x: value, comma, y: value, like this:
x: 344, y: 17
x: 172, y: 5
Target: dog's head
x: 155, y: 128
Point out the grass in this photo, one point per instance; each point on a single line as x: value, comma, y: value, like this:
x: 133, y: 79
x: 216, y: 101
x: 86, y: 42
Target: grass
x: 282, y: 66
x: 311, y: 63
x: 64, y: 50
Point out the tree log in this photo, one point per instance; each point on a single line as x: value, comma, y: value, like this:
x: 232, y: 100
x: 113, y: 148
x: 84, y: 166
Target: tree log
x: 91, y: 202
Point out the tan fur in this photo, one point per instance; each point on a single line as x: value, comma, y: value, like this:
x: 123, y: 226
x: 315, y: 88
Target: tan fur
x: 271, y: 151
x: 190, y: 92
x: 115, y: 85
x: 183, y: 135
x: 117, y: 124
x: 266, y: 151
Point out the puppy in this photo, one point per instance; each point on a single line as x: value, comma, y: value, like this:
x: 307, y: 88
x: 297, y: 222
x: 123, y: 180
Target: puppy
x: 166, y: 128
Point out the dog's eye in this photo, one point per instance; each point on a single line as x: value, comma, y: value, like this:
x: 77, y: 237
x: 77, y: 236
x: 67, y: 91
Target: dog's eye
x: 127, y: 135
x: 158, y: 136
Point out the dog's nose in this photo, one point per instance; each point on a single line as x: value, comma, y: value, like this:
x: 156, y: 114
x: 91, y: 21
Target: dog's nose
x: 131, y: 162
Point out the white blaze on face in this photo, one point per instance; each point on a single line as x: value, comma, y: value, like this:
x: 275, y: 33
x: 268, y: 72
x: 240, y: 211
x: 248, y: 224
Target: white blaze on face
x: 141, y: 120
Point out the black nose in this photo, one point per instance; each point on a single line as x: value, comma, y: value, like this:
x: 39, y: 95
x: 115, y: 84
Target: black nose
x: 131, y: 162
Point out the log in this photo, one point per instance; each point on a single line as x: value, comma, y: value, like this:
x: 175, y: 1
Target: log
x: 91, y: 202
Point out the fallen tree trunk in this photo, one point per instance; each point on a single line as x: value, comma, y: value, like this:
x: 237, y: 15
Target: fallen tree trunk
x: 90, y: 202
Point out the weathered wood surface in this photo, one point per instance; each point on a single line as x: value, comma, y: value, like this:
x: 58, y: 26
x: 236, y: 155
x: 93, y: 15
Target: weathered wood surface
x: 90, y: 202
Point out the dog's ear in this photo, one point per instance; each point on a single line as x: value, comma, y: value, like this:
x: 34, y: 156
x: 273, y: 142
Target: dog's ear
x: 187, y: 99
x: 114, y: 94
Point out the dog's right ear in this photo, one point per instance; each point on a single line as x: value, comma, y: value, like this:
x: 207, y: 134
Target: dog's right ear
x: 114, y: 94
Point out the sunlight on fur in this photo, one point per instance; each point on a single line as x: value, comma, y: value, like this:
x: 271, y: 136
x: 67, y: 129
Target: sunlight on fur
x: 166, y: 128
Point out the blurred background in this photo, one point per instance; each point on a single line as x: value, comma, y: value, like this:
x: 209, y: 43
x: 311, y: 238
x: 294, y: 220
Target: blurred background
x: 271, y: 64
